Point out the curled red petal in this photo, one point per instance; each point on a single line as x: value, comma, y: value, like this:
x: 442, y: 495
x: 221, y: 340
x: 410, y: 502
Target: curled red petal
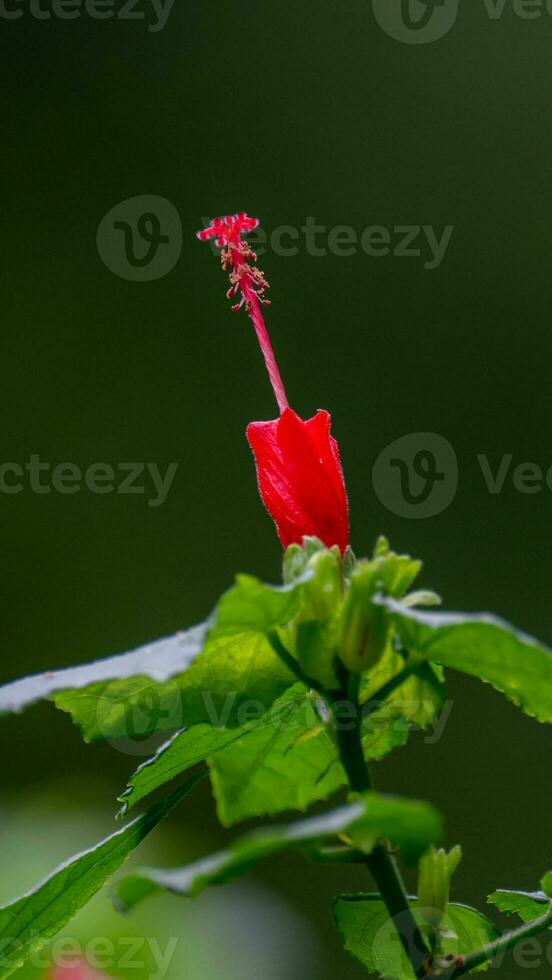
x: 300, y: 478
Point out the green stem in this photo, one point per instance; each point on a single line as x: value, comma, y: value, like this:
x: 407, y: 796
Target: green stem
x: 377, y: 698
x: 387, y: 689
x: 292, y: 664
x: 500, y: 946
x: 380, y: 863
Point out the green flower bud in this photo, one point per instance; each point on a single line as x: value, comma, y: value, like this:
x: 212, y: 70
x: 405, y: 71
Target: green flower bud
x: 364, y: 625
x: 434, y: 876
x: 297, y: 557
x: 315, y: 626
x: 322, y: 593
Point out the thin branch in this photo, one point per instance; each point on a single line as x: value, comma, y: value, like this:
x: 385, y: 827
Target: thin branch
x: 380, y: 863
x: 501, y: 945
x: 293, y: 665
x: 387, y: 689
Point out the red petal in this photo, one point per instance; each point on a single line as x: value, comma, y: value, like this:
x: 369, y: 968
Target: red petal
x: 300, y: 478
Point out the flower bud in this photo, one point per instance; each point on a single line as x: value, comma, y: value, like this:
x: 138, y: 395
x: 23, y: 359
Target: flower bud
x: 314, y: 629
x: 434, y: 876
x: 323, y: 591
x: 364, y: 625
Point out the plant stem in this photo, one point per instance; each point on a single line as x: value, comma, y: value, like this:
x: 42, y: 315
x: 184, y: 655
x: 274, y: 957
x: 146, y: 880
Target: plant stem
x: 501, y: 945
x: 380, y: 863
x: 385, y: 691
x: 292, y: 664
x: 375, y: 701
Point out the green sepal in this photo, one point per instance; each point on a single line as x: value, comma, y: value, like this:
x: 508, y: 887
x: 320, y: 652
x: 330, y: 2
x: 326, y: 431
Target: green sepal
x: 297, y: 557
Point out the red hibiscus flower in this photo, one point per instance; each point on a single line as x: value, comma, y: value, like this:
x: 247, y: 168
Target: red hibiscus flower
x: 298, y: 467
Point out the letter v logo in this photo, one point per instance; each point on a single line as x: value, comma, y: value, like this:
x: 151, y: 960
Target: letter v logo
x: 415, y: 21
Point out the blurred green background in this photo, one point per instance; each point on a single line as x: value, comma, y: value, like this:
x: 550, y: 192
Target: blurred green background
x: 287, y: 110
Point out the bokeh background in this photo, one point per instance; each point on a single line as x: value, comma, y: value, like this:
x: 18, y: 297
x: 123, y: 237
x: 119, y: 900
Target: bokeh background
x: 287, y: 110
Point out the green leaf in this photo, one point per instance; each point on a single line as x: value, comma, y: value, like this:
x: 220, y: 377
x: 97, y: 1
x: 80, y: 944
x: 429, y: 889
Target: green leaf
x: 287, y: 758
x: 485, y: 647
x: 184, y: 750
x: 410, y: 824
x: 157, y: 661
x: 292, y: 761
x: 202, y: 675
x: 546, y: 883
x: 252, y: 605
x: 236, y: 667
x: 234, y: 670
x: 528, y: 905
x: 370, y: 935
x: 416, y: 702
x: 30, y: 921
x: 285, y: 763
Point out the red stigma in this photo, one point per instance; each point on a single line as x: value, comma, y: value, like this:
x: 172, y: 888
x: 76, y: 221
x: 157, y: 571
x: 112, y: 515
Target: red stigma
x: 247, y: 282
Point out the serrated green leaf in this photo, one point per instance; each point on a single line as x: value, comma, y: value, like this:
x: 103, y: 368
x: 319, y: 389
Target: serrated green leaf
x: 370, y: 935
x: 202, y: 675
x: 234, y: 670
x: 236, y: 666
x: 273, y: 772
x: 30, y: 921
x: 410, y: 824
x: 252, y: 605
x: 284, y: 760
x: 284, y: 764
x: 416, y: 702
x: 181, y: 752
x: 156, y: 662
x: 275, y: 769
x: 528, y: 905
x: 485, y: 647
